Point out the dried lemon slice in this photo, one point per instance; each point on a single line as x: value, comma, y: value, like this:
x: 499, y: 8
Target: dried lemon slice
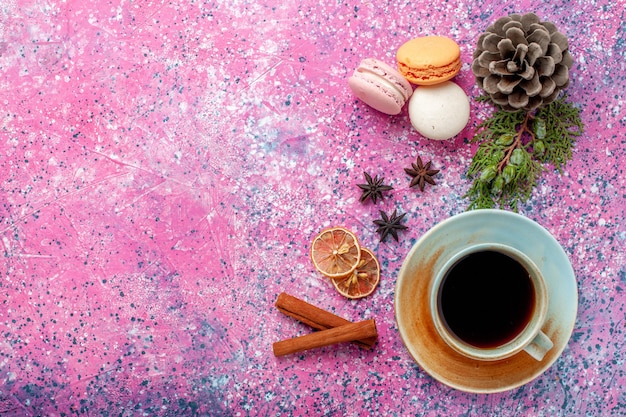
x: 335, y: 252
x: 363, y: 280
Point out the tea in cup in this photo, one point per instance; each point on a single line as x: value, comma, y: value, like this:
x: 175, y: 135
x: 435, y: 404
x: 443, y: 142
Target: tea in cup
x: 489, y: 302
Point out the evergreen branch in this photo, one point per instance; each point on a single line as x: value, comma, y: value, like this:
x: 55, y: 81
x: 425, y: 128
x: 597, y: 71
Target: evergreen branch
x: 513, y: 146
x: 563, y: 125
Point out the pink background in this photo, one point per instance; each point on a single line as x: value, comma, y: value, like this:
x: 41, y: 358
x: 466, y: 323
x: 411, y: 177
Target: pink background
x: 165, y: 164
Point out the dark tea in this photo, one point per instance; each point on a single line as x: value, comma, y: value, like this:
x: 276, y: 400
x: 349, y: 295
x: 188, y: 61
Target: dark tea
x: 486, y: 298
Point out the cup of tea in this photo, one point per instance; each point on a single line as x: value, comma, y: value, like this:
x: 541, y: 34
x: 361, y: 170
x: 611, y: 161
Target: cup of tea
x: 489, y: 302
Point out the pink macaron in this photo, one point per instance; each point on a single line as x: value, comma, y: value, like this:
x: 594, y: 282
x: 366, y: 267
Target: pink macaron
x: 380, y: 86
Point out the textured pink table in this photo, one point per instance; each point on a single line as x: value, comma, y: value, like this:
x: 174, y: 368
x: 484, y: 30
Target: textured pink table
x: 164, y: 166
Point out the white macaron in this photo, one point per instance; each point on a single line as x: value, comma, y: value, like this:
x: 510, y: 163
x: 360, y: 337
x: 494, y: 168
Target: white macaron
x: 439, y: 111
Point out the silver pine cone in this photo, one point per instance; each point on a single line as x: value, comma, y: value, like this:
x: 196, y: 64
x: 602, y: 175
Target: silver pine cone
x: 521, y: 62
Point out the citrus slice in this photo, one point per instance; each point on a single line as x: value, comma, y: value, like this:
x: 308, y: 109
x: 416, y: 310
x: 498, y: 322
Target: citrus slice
x: 335, y: 252
x: 363, y: 280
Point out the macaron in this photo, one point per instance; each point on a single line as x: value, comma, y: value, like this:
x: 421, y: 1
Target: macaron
x: 429, y: 60
x: 439, y: 111
x: 380, y: 86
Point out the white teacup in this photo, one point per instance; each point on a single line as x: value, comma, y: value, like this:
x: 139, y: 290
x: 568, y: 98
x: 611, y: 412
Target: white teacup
x: 480, y: 317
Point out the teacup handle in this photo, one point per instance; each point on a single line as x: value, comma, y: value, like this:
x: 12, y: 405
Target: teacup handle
x: 539, y: 346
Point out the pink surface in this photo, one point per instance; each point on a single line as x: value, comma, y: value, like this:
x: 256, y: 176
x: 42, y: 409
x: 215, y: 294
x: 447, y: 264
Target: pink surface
x: 164, y: 166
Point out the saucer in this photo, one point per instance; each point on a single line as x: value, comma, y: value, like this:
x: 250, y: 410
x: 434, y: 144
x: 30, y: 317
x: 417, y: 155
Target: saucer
x: 428, y: 256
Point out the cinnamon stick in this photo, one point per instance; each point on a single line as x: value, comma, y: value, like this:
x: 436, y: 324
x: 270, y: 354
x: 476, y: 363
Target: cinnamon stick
x: 314, y: 316
x: 345, y: 333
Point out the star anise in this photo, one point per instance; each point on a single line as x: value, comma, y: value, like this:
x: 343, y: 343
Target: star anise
x: 389, y: 225
x: 373, y: 189
x: 421, y: 174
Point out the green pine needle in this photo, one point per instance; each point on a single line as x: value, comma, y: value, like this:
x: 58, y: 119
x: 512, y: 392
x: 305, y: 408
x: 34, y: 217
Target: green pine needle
x: 514, y: 147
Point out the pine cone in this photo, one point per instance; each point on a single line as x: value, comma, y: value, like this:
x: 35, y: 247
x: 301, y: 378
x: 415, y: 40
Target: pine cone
x: 521, y: 62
